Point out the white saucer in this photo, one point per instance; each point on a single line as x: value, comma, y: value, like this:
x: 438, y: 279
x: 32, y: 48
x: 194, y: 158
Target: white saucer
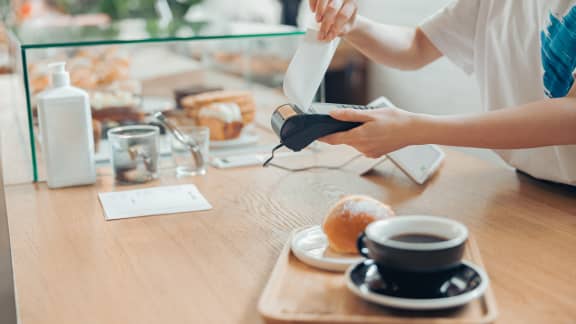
x: 469, y: 280
x: 310, y: 245
x: 246, y: 138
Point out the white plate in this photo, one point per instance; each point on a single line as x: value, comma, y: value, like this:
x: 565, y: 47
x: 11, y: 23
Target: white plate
x: 310, y: 245
x: 246, y: 138
x: 365, y: 293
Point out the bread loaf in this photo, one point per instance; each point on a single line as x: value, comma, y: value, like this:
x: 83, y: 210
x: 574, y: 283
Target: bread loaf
x: 349, y: 217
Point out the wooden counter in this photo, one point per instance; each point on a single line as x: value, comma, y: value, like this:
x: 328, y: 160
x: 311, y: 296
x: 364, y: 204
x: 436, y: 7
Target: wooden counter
x: 72, y: 266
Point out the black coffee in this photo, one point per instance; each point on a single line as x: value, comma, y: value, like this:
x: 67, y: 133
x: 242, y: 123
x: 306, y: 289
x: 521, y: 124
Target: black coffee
x: 418, y: 238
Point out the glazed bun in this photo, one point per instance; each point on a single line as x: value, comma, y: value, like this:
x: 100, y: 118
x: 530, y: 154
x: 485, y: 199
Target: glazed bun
x: 223, y: 119
x: 349, y: 217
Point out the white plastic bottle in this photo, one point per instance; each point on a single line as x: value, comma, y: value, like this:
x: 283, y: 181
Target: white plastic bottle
x: 66, y: 132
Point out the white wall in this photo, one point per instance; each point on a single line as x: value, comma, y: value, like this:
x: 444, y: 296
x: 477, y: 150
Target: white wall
x: 440, y: 88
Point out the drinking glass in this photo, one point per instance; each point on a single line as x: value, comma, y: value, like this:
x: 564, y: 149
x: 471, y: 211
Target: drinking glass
x: 134, y: 153
x: 183, y: 157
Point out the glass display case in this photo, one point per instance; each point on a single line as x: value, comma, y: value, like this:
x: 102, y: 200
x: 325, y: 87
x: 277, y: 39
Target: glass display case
x: 134, y: 68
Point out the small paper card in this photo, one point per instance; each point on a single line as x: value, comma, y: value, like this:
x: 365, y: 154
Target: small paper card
x: 152, y: 201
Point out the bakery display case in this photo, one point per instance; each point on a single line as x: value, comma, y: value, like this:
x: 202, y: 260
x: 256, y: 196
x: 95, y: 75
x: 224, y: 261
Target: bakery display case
x: 204, y: 73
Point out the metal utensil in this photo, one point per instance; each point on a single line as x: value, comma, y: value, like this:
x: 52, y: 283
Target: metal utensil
x: 187, y: 142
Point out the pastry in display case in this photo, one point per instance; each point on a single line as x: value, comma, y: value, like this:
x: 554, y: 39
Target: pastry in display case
x: 244, y: 100
x: 225, y: 112
x: 223, y: 119
x: 181, y: 93
x: 263, y: 61
x: 129, y: 75
x: 90, y: 68
x: 115, y: 105
x: 264, y: 68
x: 104, y: 73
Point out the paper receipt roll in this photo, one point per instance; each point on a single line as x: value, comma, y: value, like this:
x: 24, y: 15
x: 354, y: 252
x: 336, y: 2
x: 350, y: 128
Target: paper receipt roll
x: 307, y: 68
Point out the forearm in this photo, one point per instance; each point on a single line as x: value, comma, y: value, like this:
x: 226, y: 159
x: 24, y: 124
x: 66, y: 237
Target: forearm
x: 543, y: 123
x: 395, y: 46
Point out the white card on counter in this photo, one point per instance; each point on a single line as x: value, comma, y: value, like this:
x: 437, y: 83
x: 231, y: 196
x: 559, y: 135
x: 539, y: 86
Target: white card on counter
x: 152, y: 201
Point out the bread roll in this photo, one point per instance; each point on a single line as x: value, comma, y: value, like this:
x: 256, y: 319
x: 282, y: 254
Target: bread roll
x: 244, y: 99
x: 181, y: 93
x: 221, y: 131
x: 349, y: 217
x: 119, y: 106
x: 223, y: 119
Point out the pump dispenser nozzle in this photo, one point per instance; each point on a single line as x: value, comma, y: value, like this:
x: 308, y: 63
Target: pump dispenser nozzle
x: 60, y: 77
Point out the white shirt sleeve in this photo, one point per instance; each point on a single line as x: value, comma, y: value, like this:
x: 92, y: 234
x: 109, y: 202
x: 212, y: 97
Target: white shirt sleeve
x: 453, y: 30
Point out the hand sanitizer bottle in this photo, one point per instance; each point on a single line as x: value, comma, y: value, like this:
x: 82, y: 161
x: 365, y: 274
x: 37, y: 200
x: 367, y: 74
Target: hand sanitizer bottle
x: 66, y: 132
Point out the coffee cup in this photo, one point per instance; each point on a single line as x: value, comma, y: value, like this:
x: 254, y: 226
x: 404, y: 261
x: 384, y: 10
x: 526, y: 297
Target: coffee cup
x: 419, y: 244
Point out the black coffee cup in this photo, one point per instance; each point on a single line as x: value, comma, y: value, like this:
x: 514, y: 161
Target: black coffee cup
x: 419, y: 244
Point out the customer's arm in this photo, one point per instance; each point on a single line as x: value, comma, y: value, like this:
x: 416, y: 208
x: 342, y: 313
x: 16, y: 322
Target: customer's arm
x: 403, y: 48
x: 542, y: 123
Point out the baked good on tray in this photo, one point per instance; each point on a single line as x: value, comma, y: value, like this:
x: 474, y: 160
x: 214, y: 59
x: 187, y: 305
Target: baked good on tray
x: 181, y: 93
x: 349, y: 217
x: 223, y: 119
x: 119, y: 106
x: 243, y: 99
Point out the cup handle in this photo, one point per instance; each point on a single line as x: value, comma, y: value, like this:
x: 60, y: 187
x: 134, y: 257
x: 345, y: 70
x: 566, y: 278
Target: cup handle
x: 361, y: 246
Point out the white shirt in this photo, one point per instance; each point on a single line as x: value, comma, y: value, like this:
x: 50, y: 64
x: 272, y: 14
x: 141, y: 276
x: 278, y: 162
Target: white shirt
x: 520, y: 51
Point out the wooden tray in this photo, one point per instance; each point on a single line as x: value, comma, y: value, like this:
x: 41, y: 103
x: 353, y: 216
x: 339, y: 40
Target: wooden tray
x: 297, y: 293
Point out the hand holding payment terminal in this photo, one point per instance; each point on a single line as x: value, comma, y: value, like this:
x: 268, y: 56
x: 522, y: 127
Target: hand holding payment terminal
x: 297, y: 129
x: 301, y: 122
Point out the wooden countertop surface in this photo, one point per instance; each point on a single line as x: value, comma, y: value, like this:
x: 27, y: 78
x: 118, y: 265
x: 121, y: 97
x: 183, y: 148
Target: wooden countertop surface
x: 72, y: 266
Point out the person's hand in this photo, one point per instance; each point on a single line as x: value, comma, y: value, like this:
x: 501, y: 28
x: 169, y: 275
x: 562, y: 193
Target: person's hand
x: 336, y: 17
x: 385, y: 130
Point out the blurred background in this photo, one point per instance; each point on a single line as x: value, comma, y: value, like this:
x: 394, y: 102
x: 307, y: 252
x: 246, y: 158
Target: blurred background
x: 360, y: 80
x: 144, y: 44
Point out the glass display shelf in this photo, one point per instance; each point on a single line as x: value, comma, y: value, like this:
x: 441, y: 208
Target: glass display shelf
x: 143, y: 31
x: 134, y: 54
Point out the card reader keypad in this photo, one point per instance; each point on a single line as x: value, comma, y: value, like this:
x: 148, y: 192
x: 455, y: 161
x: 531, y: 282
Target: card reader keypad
x: 325, y: 108
x: 360, y: 107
